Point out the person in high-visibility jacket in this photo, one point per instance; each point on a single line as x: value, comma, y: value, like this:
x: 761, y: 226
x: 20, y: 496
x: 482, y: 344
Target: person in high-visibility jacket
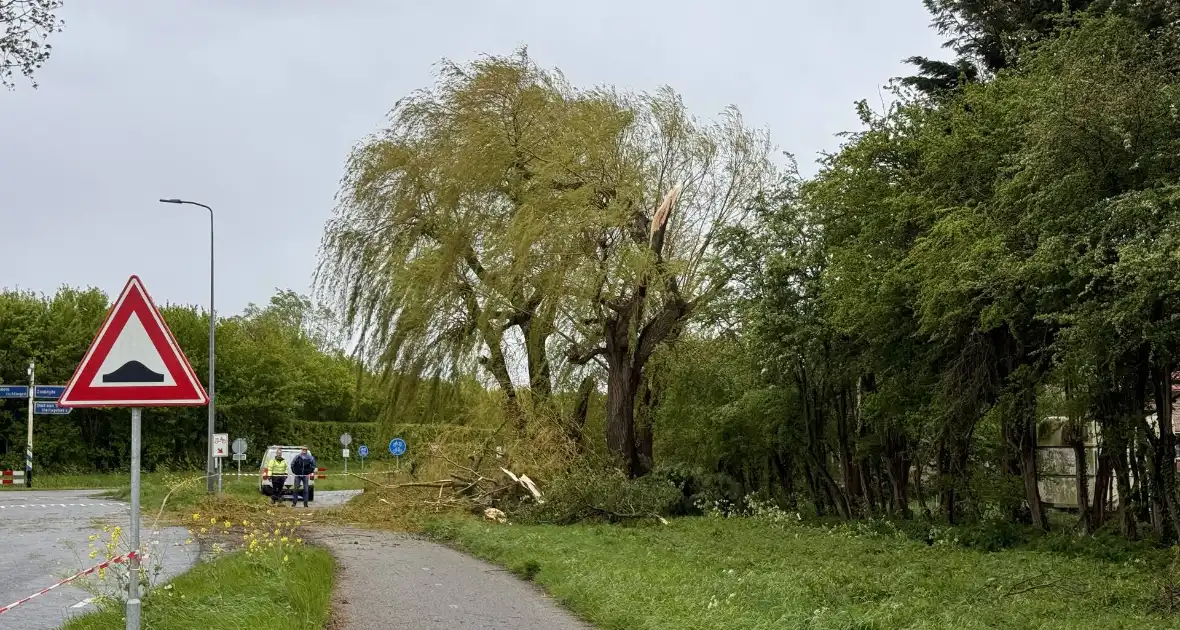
x: 277, y: 469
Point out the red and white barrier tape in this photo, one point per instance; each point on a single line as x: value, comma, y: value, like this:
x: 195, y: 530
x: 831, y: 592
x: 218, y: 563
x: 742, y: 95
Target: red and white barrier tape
x: 115, y: 560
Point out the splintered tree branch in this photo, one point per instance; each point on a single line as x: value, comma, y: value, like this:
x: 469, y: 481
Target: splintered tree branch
x: 469, y: 487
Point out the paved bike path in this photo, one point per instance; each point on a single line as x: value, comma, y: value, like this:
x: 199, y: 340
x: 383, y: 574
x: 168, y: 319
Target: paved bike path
x: 387, y: 580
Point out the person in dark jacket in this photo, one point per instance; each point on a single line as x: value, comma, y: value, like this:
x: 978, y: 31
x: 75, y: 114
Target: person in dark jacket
x: 303, y: 467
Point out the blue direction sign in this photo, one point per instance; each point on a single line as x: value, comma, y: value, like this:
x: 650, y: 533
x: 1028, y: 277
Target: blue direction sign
x: 363, y: 451
x: 14, y: 391
x: 49, y: 391
x: 49, y: 408
x: 397, y: 447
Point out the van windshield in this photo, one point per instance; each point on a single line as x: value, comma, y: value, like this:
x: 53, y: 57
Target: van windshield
x: 288, y: 454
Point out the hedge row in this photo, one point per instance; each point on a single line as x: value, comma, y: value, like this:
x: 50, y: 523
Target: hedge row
x: 323, y: 438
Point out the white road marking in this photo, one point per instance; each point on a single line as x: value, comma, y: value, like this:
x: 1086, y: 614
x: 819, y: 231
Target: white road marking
x: 65, y: 505
x: 82, y: 603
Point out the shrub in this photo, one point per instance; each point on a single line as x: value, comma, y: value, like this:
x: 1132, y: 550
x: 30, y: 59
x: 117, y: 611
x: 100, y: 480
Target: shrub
x: 699, y: 489
x: 586, y: 494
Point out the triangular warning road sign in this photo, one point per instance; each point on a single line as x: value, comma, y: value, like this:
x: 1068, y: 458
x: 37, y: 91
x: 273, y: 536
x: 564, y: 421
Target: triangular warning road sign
x: 134, y: 361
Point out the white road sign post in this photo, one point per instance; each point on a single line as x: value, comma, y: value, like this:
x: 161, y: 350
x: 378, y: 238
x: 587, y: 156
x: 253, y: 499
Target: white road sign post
x: 345, y: 440
x: 135, y: 362
x: 239, y: 447
x: 220, y: 444
x: 220, y: 451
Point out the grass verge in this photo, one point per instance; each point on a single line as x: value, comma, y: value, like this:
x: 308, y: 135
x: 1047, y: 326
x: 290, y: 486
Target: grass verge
x: 699, y: 573
x: 184, y: 490
x: 235, y: 591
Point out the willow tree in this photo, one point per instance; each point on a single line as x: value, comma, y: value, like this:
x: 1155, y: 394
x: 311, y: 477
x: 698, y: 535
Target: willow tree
x: 443, y: 247
x: 652, y: 266
x: 508, y: 220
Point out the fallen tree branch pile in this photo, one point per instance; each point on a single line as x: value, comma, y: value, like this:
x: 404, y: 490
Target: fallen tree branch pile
x: 466, y: 487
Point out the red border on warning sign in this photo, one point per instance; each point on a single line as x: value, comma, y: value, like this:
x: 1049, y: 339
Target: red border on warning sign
x: 187, y: 391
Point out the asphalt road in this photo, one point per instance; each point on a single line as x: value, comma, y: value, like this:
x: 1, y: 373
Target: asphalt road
x: 325, y: 498
x: 389, y: 581
x: 44, y: 537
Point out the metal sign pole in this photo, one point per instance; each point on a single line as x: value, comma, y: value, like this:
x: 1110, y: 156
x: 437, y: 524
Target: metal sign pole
x: 29, y: 443
x: 133, y: 603
x: 239, y: 448
x: 219, y: 475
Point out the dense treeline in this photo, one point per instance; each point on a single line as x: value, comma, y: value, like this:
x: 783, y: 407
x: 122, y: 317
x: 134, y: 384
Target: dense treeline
x: 996, y: 247
x: 280, y: 373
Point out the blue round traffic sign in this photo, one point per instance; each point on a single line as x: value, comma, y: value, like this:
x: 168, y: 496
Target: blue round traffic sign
x: 397, y: 447
x: 363, y: 451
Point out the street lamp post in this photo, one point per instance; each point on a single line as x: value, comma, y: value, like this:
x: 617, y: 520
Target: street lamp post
x: 209, y: 463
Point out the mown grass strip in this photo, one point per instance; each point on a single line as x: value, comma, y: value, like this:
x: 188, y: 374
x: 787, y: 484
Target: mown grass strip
x: 235, y: 591
x: 700, y: 573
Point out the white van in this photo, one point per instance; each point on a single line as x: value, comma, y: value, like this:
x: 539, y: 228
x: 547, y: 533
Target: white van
x: 289, y: 453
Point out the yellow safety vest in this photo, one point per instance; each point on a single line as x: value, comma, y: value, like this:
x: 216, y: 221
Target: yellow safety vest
x: 277, y: 467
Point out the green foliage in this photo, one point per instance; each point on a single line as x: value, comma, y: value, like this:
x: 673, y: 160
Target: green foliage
x: 898, y: 325
x: 323, y: 438
x: 506, y: 221
x: 587, y: 494
x: 701, y: 490
x: 991, y: 35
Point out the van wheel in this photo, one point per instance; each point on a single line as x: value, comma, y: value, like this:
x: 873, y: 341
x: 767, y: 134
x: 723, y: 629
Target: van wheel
x: 311, y: 493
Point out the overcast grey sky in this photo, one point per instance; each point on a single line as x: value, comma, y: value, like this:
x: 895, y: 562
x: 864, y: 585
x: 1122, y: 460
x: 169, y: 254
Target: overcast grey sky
x: 251, y: 106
